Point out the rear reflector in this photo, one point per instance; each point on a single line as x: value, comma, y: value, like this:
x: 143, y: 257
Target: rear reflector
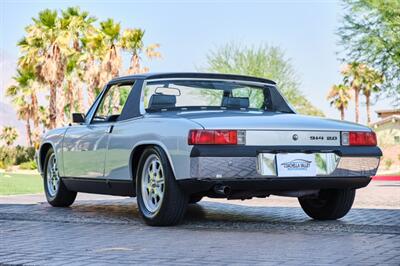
x: 212, y: 137
x: 359, y: 138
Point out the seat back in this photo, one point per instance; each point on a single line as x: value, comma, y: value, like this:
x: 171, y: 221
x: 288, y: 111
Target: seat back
x: 159, y: 101
x: 236, y: 102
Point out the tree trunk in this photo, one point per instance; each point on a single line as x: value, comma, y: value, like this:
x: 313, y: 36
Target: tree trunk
x: 367, y: 100
x: 79, y: 98
x: 35, y: 110
x: 28, y: 132
x: 92, y: 77
x: 70, y: 96
x: 76, y: 43
x: 342, y: 113
x: 35, y: 116
x: 60, y: 107
x: 115, y: 102
x: 52, y: 106
x: 134, y: 67
x: 357, y: 103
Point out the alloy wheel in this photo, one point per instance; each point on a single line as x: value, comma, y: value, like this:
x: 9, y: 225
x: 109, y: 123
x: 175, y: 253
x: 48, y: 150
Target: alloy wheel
x: 53, y: 179
x: 153, y: 183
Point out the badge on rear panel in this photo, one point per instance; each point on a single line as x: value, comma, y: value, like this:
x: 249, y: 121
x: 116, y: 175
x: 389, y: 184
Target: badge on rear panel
x: 296, y: 164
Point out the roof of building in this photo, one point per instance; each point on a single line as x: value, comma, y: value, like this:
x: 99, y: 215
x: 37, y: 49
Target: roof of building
x: 386, y: 120
x: 388, y: 111
x: 192, y: 75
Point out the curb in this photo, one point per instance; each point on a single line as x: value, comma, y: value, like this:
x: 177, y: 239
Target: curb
x: 386, y: 178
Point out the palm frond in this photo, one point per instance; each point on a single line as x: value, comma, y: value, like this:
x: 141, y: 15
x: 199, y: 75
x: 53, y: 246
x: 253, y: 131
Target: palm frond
x: 110, y: 29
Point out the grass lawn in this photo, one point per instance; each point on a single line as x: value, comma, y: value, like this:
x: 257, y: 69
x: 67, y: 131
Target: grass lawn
x: 15, y: 183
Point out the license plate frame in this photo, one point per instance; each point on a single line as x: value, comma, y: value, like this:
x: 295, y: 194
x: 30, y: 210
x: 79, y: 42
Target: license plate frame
x: 295, y: 165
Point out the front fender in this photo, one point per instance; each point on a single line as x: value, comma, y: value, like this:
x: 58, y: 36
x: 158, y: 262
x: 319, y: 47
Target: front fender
x: 52, y: 139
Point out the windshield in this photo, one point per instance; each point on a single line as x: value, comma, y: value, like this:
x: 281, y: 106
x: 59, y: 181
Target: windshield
x: 204, y: 94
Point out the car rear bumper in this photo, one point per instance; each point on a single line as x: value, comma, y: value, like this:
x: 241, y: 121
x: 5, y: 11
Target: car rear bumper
x: 236, y: 161
x: 249, y: 167
x: 267, y: 186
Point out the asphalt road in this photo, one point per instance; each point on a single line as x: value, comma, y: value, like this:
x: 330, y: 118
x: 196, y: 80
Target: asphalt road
x: 108, y: 230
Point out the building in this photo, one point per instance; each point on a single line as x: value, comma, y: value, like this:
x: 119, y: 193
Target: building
x: 387, y: 130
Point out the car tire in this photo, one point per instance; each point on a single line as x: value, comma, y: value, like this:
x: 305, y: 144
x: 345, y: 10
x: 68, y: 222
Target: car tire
x: 193, y: 199
x: 57, y: 194
x: 160, y: 200
x: 330, y: 204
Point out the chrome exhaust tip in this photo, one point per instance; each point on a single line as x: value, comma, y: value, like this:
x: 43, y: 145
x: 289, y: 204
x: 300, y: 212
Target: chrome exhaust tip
x: 222, y: 190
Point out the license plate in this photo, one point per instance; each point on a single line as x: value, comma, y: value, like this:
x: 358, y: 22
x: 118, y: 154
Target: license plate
x: 295, y: 164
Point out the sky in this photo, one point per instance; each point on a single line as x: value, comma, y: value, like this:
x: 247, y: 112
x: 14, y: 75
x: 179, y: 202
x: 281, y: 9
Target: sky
x: 188, y: 30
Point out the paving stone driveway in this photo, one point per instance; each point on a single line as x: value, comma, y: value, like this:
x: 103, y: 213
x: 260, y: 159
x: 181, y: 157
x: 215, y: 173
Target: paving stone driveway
x: 107, y: 230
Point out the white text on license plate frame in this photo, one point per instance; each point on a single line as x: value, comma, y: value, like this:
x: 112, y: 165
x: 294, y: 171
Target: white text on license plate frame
x: 295, y: 164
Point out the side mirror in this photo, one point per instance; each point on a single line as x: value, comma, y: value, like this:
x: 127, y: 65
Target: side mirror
x: 78, y: 118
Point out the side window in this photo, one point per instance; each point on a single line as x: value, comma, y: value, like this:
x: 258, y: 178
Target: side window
x: 256, y: 96
x: 113, y: 102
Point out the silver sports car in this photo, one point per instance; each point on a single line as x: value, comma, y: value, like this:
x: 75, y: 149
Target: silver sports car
x: 171, y: 139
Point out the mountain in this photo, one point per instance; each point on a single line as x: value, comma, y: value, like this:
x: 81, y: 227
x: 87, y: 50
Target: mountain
x: 8, y: 117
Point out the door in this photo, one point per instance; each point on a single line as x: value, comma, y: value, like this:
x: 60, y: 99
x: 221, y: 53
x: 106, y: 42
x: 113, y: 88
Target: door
x: 125, y: 134
x: 85, y: 145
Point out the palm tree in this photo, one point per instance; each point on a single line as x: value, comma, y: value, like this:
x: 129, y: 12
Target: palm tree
x: 67, y: 55
x: 353, y: 76
x: 371, y: 82
x: 132, y: 41
x: 9, y: 134
x: 29, y: 87
x: 93, y: 51
x: 28, y: 77
x: 71, y: 89
x: 24, y: 98
x: 48, y: 35
x: 339, y: 97
x: 44, y: 117
x: 24, y: 112
x: 77, y: 23
x: 111, y: 62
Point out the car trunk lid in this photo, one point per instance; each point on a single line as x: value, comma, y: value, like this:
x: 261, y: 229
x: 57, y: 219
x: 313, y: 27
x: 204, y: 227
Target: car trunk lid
x: 274, y: 129
x: 250, y: 120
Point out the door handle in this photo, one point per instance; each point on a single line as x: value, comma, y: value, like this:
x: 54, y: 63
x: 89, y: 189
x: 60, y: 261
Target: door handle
x: 109, y: 129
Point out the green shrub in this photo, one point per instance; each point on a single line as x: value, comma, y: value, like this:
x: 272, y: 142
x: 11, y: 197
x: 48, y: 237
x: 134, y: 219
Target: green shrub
x: 7, y: 156
x: 24, y: 154
x: 16, y: 155
x: 31, y: 165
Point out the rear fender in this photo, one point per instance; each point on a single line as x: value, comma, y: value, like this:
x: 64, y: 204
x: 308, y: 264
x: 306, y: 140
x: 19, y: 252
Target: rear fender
x: 149, y: 143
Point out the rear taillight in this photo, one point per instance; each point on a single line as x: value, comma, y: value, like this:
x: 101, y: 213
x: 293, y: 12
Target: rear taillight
x: 359, y: 138
x: 213, y: 137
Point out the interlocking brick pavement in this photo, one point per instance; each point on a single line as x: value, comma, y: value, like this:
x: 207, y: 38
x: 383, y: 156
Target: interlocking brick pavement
x: 105, y: 230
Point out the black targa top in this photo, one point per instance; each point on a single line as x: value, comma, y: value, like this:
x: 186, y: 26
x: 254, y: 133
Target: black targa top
x: 149, y: 76
x: 278, y: 103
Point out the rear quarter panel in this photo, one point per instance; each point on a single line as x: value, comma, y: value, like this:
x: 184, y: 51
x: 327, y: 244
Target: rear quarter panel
x: 170, y: 133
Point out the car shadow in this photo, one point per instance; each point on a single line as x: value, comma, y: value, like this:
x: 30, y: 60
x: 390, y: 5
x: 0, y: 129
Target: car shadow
x: 205, y: 215
x: 202, y: 212
x: 126, y: 211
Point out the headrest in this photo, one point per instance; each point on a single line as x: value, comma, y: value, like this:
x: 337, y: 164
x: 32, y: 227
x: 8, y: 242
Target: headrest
x: 158, y: 101
x: 236, y: 102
